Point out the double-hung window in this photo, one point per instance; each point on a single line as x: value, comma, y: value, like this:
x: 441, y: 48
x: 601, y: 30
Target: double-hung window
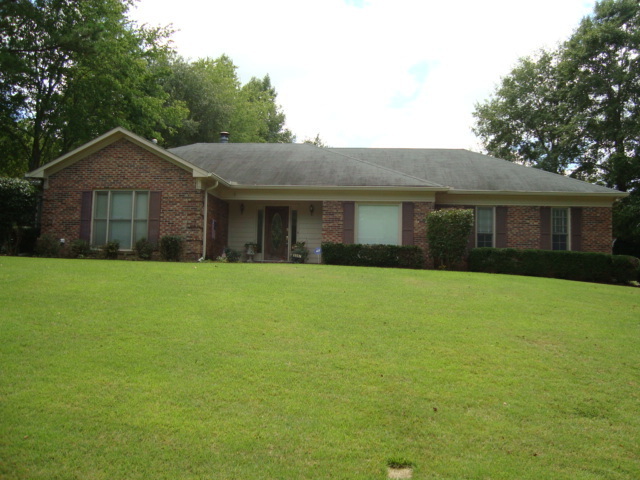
x: 560, y: 229
x: 484, y: 226
x: 378, y: 224
x: 121, y: 215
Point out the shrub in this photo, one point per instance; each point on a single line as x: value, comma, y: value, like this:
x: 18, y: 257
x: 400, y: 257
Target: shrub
x: 143, y: 249
x: 79, y: 249
x: 582, y: 266
x: 448, y: 233
x: 19, y: 240
x: 232, y: 256
x: 171, y: 248
x: 47, y: 246
x: 110, y: 250
x: 625, y: 268
x: 393, y: 256
x: 18, y: 199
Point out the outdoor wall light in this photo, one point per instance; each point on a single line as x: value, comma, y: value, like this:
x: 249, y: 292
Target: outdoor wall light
x: 311, y: 208
x: 241, y: 208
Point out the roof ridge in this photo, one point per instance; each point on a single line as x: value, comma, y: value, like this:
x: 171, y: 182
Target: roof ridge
x: 428, y: 182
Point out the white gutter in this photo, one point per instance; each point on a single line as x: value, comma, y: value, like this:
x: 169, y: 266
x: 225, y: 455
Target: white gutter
x: 612, y: 193
x: 204, y: 216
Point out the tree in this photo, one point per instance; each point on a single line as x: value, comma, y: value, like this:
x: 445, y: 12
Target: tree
x: 258, y: 118
x: 318, y: 142
x: 217, y: 101
x: 526, y: 120
x: 602, y: 62
x: 208, y: 88
x: 71, y: 70
x: 578, y: 108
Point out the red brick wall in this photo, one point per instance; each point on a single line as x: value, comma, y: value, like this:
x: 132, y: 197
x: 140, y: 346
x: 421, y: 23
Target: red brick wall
x: 217, y: 210
x: 420, y: 212
x: 123, y: 165
x: 597, y: 234
x: 332, y: 221
x: 523, y: 227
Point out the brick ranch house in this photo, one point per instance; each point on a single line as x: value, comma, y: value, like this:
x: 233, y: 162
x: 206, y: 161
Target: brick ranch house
x: 121, y: 186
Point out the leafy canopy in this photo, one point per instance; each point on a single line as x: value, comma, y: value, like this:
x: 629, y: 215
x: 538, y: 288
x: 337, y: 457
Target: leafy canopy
x: 217, y: 101
x: 72, y: 70
x: 576, y: 109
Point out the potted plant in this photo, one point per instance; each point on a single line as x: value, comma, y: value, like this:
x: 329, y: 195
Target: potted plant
x: 299, y: 252
x: 250, y: 249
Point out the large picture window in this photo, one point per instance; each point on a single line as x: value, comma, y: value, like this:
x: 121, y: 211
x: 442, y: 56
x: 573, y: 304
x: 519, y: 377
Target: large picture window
x: 121, y: 215
x: 378, y: 224
x: 560, y: 229
x: 484, y: 226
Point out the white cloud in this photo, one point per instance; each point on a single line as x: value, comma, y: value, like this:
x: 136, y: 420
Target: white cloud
x: 372, y: 72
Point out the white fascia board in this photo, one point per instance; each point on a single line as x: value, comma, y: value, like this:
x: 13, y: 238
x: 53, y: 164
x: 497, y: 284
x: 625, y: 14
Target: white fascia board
x: 612, y: 194
x: 527, y: 199
x: 326, y: 193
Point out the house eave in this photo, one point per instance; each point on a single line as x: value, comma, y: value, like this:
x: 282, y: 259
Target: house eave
x: 107, y: 139
x: 613, y: 194
x: 363, y: 188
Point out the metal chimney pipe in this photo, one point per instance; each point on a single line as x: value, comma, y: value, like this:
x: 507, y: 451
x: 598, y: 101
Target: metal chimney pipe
x: 224, y: 137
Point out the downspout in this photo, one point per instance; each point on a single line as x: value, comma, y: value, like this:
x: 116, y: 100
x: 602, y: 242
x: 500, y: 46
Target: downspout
x: 204, y: 216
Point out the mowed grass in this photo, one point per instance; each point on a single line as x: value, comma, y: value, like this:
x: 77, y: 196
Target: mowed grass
x: 135, y: 370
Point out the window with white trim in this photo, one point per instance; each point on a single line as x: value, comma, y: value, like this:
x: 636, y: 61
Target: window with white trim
x: 560, y: 229
x: 485, y: 226
x: 121, y: 215
x: 378, y: 224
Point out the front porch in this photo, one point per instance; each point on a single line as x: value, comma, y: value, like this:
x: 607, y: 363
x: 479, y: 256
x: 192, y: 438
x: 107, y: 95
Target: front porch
x: 275, y: 227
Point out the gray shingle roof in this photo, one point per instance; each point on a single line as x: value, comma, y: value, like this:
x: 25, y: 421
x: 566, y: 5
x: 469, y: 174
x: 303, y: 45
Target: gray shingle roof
x: 266, y: 164
x: 466, y: 170
x: 290, y: 164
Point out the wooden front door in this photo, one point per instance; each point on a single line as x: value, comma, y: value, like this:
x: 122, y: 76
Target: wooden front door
x: 276, y: 233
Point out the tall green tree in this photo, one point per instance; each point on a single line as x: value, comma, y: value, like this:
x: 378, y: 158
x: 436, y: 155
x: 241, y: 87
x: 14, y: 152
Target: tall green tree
x: 528, y: 121
x: 577, y: 110
x: 69, y: 70
x: 257, y: 117
x: 208, y: 88
x: 217, y: 101
x: 602, y: 67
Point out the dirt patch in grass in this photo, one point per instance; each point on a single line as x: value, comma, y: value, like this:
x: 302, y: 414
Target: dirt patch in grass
x: 404, y: 472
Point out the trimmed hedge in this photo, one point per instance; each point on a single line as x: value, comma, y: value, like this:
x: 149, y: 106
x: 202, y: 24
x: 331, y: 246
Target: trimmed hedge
x: 581, y: 266
x: 358, y: 255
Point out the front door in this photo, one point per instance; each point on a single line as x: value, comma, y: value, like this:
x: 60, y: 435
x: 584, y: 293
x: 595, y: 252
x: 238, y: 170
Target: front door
x: 276, y: 233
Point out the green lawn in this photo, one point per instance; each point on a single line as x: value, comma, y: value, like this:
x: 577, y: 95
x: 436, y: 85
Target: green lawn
x: 135, y: 370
